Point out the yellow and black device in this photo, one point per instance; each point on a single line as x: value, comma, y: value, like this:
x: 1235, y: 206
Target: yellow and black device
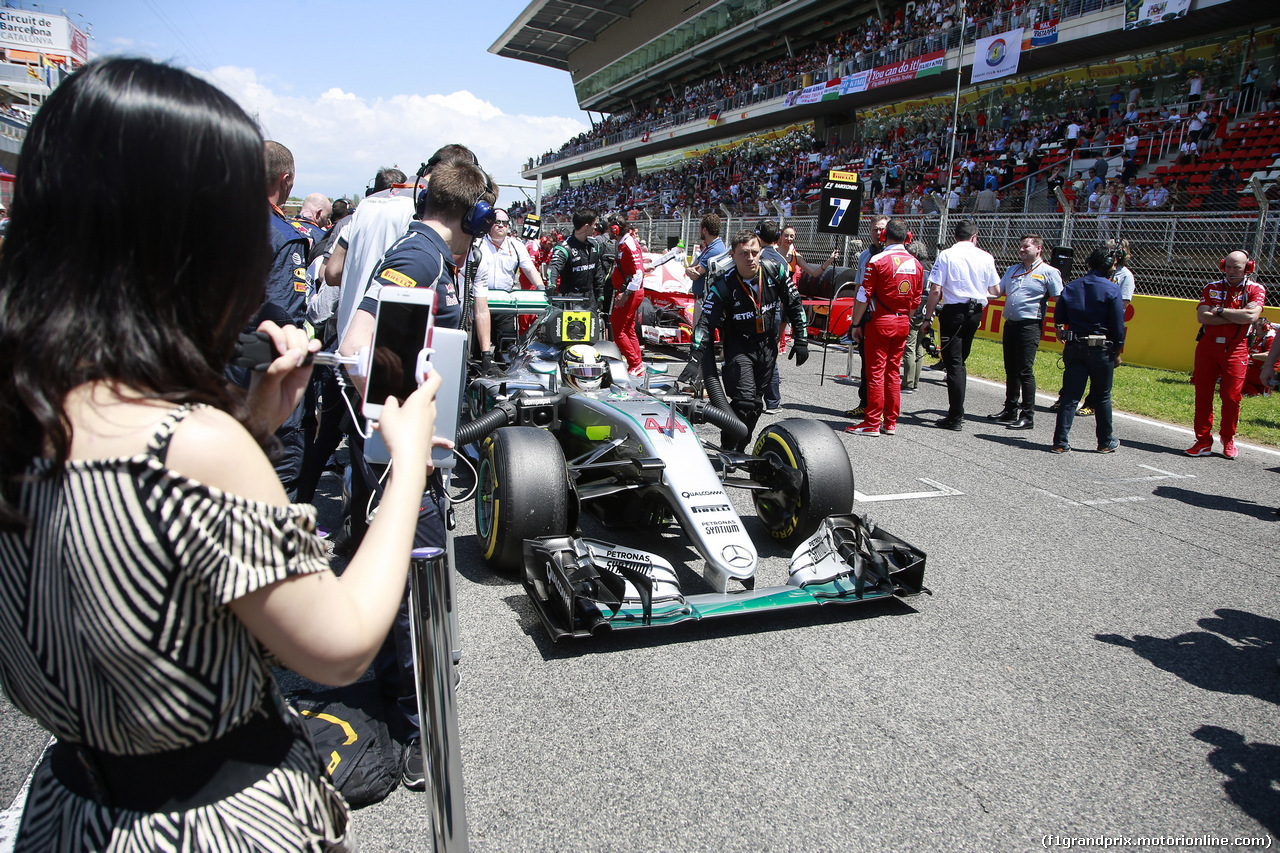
x: 840, y: 204
x: 576, y: 327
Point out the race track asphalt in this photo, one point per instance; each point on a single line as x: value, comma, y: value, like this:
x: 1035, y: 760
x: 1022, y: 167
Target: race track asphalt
x: 1098, y: 658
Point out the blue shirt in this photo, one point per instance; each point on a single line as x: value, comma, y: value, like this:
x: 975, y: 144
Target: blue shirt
x: 1027, y: 292
x: 420, y: 258
x: 287, y: 277
x: 1092, y: 306
x: 712, y: 252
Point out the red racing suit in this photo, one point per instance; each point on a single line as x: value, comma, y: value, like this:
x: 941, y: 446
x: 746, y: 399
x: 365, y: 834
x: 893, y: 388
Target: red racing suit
x: 894, y: 285
x: 1259, y: 344
x: 1223, y: 353
x: 628, y: 281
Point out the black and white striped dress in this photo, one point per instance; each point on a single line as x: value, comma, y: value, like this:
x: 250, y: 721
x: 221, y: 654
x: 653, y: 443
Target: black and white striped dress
x: 116, y: 634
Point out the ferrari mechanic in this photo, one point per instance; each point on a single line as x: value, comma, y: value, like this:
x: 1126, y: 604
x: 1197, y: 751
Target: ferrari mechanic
x: 1227, y: 309
x: 747, y: 303
x: 891, y: 290
x: 628, y: 284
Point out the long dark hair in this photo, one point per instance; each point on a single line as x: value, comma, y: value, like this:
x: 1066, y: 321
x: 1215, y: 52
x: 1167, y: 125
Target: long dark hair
x: 111, y: 269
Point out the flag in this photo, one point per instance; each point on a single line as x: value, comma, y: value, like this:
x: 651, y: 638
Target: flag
x: 33, y: 72
x: 997, y: 56
x: 713, y: 119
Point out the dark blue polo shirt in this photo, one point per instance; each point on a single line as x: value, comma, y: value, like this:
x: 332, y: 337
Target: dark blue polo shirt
x: 420, y: 258
x: 287, y: 278
x: 1092, y: 306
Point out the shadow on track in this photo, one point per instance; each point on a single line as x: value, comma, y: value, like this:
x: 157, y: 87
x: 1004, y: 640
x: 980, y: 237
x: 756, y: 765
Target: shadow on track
x: 1252, y: 771
x: 1236, y: 653
x: 1218, y: 502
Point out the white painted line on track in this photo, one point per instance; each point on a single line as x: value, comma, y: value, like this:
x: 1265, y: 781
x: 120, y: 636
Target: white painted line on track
x: 1139, y: 419
x: 939, y: 491
x: 1159, y: 475
x: 1097, y: 502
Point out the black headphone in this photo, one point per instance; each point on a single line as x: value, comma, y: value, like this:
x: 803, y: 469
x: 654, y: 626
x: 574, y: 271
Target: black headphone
x: 476, y: 222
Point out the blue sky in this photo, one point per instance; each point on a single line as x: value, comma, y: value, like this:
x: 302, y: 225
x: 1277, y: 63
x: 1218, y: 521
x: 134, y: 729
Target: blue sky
x: 349, y: 87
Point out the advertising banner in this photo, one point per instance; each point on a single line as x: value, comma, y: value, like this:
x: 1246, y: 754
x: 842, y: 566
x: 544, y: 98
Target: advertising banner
x: 907, y: 69
x: 1043, y: 33
x: 21, y: 29
x: 853, y: 83
x: 1143, y: 13
x: 997, y: 56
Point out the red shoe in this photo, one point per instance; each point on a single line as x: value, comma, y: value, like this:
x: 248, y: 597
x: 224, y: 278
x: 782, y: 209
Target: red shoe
x: 888, y: 429
x: 864, y: 429
x: 1202, y: 447
x: 1229, y: 449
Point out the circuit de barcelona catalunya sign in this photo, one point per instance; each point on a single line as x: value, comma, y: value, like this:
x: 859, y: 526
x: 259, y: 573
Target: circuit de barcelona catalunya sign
x: 26, y: 30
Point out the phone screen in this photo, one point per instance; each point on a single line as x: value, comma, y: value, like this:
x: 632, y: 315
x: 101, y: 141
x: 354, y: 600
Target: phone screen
x: 399, y: 336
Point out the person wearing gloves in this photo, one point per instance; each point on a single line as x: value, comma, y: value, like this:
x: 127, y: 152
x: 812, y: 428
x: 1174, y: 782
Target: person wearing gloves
x: 748, y: 304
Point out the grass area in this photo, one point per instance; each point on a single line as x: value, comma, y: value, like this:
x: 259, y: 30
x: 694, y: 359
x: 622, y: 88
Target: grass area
x: 1162, y: 395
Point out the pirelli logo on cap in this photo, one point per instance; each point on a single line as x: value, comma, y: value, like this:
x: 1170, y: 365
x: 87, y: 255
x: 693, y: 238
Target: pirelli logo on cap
x: 846, y: 177
x: 397, y: 278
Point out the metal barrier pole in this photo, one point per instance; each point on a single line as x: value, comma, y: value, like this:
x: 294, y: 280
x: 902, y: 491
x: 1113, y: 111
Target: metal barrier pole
x: 429, y: 606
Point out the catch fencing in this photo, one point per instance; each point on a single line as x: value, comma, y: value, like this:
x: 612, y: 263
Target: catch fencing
x: 1171, y: 254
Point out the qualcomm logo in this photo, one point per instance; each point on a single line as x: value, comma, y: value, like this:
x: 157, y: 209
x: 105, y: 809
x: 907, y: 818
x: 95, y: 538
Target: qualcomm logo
x: 737, y: 556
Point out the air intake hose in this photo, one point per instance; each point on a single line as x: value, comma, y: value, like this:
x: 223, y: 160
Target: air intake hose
x: 719, y: 412
x: 499, y: 416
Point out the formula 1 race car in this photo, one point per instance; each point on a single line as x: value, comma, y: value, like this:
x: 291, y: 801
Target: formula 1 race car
x: 626, y: 449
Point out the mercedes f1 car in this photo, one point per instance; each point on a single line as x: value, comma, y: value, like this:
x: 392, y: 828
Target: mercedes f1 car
x: 627, y: 451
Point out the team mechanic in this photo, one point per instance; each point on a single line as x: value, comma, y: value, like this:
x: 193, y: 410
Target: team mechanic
x: 628, y: 281
x: 575, y: 267
x: 891, y: 289
x: 453, y: 208
x: 502, y: 259
x: 1227, y: 309
x: 746, y: 303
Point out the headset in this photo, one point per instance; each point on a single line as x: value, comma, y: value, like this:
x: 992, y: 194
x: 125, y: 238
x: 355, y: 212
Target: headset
x: 476, y: 222
x: 880, y: 236
x: 1249, y: 266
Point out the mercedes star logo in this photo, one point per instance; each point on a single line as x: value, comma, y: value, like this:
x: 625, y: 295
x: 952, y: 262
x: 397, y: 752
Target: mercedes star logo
x: 737, y: 556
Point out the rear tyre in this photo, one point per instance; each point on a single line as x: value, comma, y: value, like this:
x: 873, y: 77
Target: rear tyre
x: 826, y: 477
x: 523, y: 493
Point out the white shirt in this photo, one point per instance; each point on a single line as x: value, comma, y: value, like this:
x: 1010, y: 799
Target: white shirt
x: 964, y: 272
x: 499, y: 266
x: 379, y: 221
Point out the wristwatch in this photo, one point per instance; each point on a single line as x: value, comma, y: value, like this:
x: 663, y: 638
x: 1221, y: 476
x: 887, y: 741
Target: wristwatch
x: 1217, y: 312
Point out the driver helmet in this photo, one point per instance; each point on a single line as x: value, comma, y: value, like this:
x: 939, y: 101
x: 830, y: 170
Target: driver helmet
x: 582, y: 367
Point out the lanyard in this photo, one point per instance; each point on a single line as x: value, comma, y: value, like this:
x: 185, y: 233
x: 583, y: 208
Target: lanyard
x: 758, y: 299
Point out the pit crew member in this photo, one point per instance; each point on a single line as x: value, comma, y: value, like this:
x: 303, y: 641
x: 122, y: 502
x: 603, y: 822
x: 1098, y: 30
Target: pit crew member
x: 892, y: 285
x: 1228, y: 307
x: 501, y: 259
x: 1262, y: 335
x: 1090, y: 320
x: 628, y: 286
x: 1027, y: 287
x: 574, y: 268
x: 748, y: 304
x: 423, y: 257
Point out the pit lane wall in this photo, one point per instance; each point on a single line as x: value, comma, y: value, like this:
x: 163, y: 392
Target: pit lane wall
x: 1160, y: 331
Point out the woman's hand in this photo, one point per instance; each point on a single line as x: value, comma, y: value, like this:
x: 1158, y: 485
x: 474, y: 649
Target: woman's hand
x: 407, y: 430
x: 277, y: 391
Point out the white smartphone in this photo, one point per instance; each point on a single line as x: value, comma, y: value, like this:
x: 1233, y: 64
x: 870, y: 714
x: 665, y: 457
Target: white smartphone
x: 402, y: 330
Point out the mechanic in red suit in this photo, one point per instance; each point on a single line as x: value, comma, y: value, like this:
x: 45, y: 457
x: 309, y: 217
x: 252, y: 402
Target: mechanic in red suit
x: 1228, y: 307
x: 628, y: 281
x: 891, y: 290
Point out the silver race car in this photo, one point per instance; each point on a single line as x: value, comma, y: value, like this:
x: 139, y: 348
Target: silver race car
x: 625, y: 449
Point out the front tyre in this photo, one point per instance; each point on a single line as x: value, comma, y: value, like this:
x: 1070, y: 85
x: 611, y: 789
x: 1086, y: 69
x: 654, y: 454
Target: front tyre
x: 523, y: 493
x: 812, y: 451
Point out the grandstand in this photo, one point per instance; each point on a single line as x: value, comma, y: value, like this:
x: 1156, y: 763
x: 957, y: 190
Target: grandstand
x: 735, y: 106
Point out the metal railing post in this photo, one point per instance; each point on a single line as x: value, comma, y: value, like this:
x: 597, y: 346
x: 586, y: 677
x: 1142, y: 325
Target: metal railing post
x: 429, y: 607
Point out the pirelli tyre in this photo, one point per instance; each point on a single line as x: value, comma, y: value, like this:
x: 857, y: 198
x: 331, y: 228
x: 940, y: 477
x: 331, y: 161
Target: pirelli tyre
x: 814, y: 452
x: 523, y: 493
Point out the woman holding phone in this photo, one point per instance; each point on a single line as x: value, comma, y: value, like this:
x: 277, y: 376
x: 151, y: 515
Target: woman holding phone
x: 149, y: 559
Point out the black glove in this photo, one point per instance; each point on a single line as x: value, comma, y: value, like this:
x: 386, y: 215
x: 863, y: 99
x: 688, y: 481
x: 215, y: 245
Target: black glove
x: 692, y: 371
x: 486, y: 362
x: 800, y: 352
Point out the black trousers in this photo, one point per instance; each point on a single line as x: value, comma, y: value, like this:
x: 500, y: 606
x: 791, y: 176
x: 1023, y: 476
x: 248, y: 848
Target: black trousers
x: 747, y: 376
x: 957, y: 324
x: 1021, y: 341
